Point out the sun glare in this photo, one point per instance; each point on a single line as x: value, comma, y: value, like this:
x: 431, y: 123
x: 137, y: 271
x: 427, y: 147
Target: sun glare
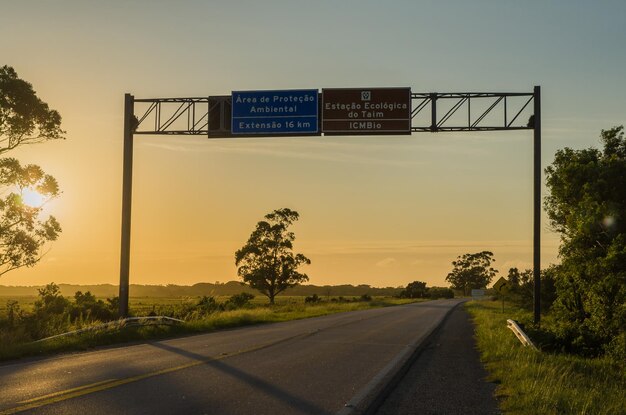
x: 33, y: 198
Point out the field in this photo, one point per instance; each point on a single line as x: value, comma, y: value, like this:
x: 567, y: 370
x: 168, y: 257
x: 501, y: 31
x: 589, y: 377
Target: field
x: 258, y: 311
x: 142, y: 306
x: 532, y: 382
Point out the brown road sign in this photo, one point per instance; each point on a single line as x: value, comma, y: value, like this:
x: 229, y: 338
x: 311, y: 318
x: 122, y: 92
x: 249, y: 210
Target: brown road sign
x: 356, y: 111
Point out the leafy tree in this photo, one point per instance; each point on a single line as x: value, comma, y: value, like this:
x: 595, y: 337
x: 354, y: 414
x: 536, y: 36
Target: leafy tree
x: 266, y: 262
x: 472, y: 271
x: 22, y: 234
x: 51, y: 301
x: 587, y: 206
x: 415, y: 289
x: 88, y: 307
x: 523, y: 287
x: 24, y: 119
x: 514, y: 277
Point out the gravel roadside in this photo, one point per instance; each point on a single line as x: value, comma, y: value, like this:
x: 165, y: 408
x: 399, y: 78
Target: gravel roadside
x: 447, y: 377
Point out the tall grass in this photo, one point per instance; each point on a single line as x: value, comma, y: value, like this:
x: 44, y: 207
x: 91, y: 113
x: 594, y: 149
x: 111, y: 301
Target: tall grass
x: 532, y: 382
x: 292, y: 308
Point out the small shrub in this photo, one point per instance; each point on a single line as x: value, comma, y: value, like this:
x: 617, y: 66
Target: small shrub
x: 208, y: 305
x: 365, y: 297
x: 86, y: 305
x: 14, y: 313
x: 312, y: 299
x: 240, y: 300
x: 440, y: 292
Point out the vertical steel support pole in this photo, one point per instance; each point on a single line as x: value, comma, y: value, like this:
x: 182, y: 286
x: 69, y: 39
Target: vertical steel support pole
x: 127, y: 186
x: 433, y: 112
x: 537, y: 204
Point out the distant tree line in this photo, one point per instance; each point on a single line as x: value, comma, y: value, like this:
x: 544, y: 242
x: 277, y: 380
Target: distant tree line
x: 203, y: 288
x: 418, y: 289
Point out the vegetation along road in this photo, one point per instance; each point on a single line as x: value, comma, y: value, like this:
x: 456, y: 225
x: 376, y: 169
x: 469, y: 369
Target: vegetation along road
x: 324, y: 365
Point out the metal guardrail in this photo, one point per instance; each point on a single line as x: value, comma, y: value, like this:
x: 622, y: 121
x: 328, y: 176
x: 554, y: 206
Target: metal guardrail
x: 519, y: 333
x: 121, y: 323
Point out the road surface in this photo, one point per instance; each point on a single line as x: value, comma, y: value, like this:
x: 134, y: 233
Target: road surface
x: 334, y: 364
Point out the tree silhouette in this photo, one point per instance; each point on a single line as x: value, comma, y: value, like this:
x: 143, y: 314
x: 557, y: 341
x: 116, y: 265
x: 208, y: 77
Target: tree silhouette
x: 266, y: 262
x: 472, y: 271
x: 24, y: 119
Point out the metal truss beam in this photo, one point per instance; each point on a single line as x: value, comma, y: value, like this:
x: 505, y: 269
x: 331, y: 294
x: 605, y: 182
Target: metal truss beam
x: 210, y: 116
x: 475, y: 118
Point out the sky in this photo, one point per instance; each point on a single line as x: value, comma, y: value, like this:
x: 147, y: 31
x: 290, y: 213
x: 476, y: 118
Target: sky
x: 378, y: 210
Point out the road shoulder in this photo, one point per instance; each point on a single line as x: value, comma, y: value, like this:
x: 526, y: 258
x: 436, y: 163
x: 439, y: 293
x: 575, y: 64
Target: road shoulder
x: 447, y: 377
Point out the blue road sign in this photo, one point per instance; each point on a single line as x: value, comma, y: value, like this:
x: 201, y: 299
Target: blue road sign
x: 275, y: 112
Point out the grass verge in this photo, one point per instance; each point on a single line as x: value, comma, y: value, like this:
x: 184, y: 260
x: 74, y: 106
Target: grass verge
x: 214, y: 321
x: 533, y: 382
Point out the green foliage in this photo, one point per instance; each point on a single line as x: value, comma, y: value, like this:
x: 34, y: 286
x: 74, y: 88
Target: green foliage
x: 415, y: 289
x: 52, y: 313
x: 266, y: 262
x: 22, y: 234
x: 15, y: 343
x: 472, y: 271
x: 14, y: 313
x: 208, y: 305
x: 365, y: 297
x: 523, y: 291
x: 88, y: 307
x: 24, y: 118
x: 312, y: 299
x: 241, y: 300
x: 535, y: 383
x: 51, y: 301
x: 440, y: 292
x: 587, y: 206
x: 218, y: 289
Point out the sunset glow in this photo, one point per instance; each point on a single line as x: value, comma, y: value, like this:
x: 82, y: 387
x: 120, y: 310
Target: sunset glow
x: 33, y: 198
x: 379, y: 210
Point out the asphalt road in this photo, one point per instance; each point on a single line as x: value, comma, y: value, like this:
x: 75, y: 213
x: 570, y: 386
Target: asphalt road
x: 335, y: 364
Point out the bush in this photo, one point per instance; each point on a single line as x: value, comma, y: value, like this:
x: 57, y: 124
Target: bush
x: 440, y: 292
x: 86, y: 306
x: 208, y: 305
x: 312, y: 299
x: 240, y: 300
x: 365, y: 297
x: 415, y: 289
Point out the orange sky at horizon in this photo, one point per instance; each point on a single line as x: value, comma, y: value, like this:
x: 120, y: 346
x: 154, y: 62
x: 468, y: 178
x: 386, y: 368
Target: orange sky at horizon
x: 383, y: 211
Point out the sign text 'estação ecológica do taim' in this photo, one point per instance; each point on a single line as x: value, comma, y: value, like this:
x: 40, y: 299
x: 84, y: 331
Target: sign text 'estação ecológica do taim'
x: 356, y: 111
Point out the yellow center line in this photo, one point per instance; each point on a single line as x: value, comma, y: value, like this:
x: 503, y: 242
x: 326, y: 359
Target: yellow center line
x: 95, y: 387
x: 112, y: 383
x: 66, y: 391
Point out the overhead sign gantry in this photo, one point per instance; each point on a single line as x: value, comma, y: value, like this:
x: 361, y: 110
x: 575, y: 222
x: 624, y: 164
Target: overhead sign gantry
x: 334, y: 111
